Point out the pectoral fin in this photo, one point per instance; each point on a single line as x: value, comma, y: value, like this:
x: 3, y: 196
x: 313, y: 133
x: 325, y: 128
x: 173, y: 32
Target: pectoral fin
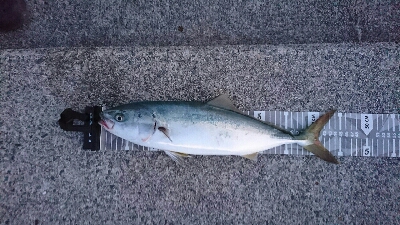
x: 176, y: 156
x: 252, y: 156
x: 165, y: 131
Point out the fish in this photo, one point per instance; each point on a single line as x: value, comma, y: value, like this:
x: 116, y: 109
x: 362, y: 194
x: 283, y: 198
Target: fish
x: 216, y: 127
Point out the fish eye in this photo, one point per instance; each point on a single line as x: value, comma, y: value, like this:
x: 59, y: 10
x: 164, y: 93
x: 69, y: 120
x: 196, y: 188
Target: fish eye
x: 119, y: 117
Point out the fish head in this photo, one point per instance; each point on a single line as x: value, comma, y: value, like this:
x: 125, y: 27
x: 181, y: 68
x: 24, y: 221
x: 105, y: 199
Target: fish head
x: 130, y: 124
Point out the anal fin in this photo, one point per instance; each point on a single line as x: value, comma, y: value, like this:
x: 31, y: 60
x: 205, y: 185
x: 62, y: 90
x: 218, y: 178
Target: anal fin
x: 176, y: 156
x: 252, y: 156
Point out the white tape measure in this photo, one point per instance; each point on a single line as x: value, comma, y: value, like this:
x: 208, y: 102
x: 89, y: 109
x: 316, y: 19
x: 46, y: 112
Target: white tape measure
x: 346, y: 134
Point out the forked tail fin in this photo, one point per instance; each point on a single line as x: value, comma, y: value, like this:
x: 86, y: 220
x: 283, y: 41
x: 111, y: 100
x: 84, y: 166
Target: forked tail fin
x: 311, y: 134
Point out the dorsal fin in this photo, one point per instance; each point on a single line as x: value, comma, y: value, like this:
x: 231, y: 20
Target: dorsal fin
x: 224, y: 102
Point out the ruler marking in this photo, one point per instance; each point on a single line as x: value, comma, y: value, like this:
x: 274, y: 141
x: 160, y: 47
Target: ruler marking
x: 345, y: 127
x: 340, y: 153
x: 351, y: 138
x: 357, y: 122
x: 329, y: 137
x: 275, y: 125
x: 284, y: 148
x: 388, y: 124
x: 302, y: 122
x: 394, y: 121
x: 113, y: 142
x: 329, y: 143
x: 377, y: 123
x: 291, y: 127
x: 110, y: 137
x: 308, y: 153
x: 355, y: 132
x: 356, y: 138
x: 109, y: 141
x: 366, y: 148
x: 285, y: 151
x: 116, y: 142
x: 270, y: 120
x: 357, y: 147
x: 383, y: 139
x: 105, y: 140
x: 297, y: 120
x: 388, y: 148
x: 372, y: 147
x: 377, y: 136
x: 394, y: 148
x: 377, y: 131
x: 101, y: 138
x: 338, y: 135
x: 351, y: 146
x: 127, y: 145
x: 398, y: 135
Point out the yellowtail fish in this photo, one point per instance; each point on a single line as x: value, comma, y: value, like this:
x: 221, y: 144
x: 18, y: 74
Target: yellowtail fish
x: 216, y: 127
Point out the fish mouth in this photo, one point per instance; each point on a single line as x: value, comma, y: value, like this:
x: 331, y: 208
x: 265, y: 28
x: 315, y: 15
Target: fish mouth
x: 107, y: 124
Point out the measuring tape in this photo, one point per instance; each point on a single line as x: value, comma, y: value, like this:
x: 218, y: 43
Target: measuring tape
x: 345, y: 134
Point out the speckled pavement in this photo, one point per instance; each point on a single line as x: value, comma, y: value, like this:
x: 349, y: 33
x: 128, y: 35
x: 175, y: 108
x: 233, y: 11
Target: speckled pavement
x: 72, y: 23
x: 47, y: 178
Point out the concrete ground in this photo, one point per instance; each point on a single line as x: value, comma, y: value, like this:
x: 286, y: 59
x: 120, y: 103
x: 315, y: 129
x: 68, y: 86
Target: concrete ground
x: 67, y: 55
x: 70, y: 23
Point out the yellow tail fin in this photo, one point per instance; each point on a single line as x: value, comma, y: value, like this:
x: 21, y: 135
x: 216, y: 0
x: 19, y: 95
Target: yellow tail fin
x: 311, y: 134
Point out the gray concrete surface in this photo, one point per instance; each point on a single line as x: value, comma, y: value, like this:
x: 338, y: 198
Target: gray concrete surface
x: 46, y: 178
x: 162, y: 23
